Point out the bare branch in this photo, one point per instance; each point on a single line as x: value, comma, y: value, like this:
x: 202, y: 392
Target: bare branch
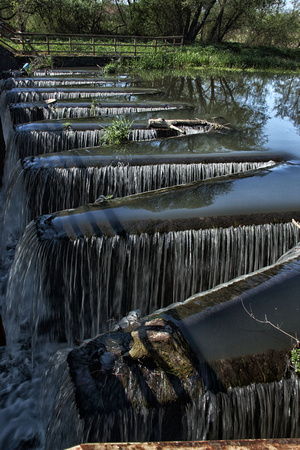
x: 267, y: 322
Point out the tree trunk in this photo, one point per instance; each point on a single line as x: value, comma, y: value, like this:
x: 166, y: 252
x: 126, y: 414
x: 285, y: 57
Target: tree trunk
x: 216, y: 28
x: 197, y: 26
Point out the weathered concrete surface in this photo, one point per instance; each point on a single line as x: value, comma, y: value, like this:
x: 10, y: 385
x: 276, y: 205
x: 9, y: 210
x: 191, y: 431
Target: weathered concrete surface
x: 242, y: 444
x: 9, y: 61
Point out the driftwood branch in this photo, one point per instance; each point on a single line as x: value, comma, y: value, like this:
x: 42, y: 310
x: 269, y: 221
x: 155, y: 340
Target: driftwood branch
x: 296, y: 223
x: 267, y: 322
x: 177, y: 124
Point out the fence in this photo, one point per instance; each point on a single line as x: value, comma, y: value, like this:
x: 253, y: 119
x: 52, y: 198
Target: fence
x: 32, y: 44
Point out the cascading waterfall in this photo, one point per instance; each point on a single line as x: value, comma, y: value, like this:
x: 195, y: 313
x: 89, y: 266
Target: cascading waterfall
x: 23, y: 113
x: 66, y: 285
x: 37, y: 191
x: 34, y: 143
x: 138, y: 271
x: 41, y: 94
x: 143, y: 135
x: 203, y: 407
x: 257, y: 411
x: 52, y: 82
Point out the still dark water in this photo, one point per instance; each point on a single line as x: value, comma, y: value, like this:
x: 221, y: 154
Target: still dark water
x: 264, y: 109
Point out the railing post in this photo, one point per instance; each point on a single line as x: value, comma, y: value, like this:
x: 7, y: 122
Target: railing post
x: 134, y: 45
x: 115, y: 44
x: 93, y: 45
x: 23, y: 42
x: 174, y: 44
x: 70, y: 45
x: 165, y: 41
x: 48, y: 44
x: 155, y: 46
x: 181, y: 41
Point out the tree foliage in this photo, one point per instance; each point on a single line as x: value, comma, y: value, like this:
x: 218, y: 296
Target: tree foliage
x: 262, y: 22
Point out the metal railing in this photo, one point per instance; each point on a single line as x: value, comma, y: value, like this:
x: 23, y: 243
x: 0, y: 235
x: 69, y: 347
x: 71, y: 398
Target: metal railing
x: 32, y: 44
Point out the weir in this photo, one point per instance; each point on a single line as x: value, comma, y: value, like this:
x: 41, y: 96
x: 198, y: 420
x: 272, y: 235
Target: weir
x: 143, y: 272
x: 182, y: 225
x: 32, y: 112
x: 40, y: 187
x: 212, y: 402
x: 62, y: 81
x: 27, y: 95
x: 146, y: 242
x: 37, y: 138
x: 206, y: 204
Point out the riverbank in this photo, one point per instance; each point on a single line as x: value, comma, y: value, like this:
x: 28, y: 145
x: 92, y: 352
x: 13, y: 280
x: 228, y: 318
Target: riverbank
x: 232, y: 56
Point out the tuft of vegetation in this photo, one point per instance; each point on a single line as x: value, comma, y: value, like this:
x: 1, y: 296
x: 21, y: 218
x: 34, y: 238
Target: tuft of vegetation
x: 117, y: 132
x: 111, y: 68
x: 40, y: 62
x: 295, y: 359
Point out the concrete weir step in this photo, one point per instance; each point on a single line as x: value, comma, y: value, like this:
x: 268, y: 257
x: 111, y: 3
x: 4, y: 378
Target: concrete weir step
x: 245, y: 444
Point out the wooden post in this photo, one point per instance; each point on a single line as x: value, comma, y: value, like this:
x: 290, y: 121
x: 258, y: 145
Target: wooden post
x: 115, y: 44
x: 155, y: 46
x: 174, y: 44
x: 23, y: 42
x: 134, y: 44
x: 48, y: 44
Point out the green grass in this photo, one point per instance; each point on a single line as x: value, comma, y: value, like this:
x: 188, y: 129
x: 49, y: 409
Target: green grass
x: 226, y: 56
x: 232, y: 56
x: 116, y: 133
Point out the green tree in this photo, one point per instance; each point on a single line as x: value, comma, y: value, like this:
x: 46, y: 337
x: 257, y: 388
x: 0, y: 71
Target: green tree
x: 211, y: 20
x: 278, y: 28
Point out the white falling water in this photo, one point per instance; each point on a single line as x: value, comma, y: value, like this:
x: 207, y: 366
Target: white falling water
x: 48, y: 82
x: 75, y: 288
x: 32, y: 113
x: 34, y: 96
x: 33, y: 143
x: 36, y: 191
x: 256, y: 411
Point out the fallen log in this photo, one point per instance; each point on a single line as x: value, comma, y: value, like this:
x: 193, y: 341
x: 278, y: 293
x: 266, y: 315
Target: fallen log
x: 178, y: 124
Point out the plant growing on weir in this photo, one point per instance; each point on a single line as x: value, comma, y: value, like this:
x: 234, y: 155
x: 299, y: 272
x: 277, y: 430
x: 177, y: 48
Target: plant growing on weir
x: 40, y: 62
x: 117, y: 132
x: 67, y: 126
x: 93, y: 107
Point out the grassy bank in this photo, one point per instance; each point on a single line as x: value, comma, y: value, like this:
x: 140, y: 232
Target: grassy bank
x: 233, y: 56
x: 224, y: 56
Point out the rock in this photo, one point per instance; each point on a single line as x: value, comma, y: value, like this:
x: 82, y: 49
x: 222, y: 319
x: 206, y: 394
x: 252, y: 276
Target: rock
x: 150, y: 365
x: 160, y: 344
